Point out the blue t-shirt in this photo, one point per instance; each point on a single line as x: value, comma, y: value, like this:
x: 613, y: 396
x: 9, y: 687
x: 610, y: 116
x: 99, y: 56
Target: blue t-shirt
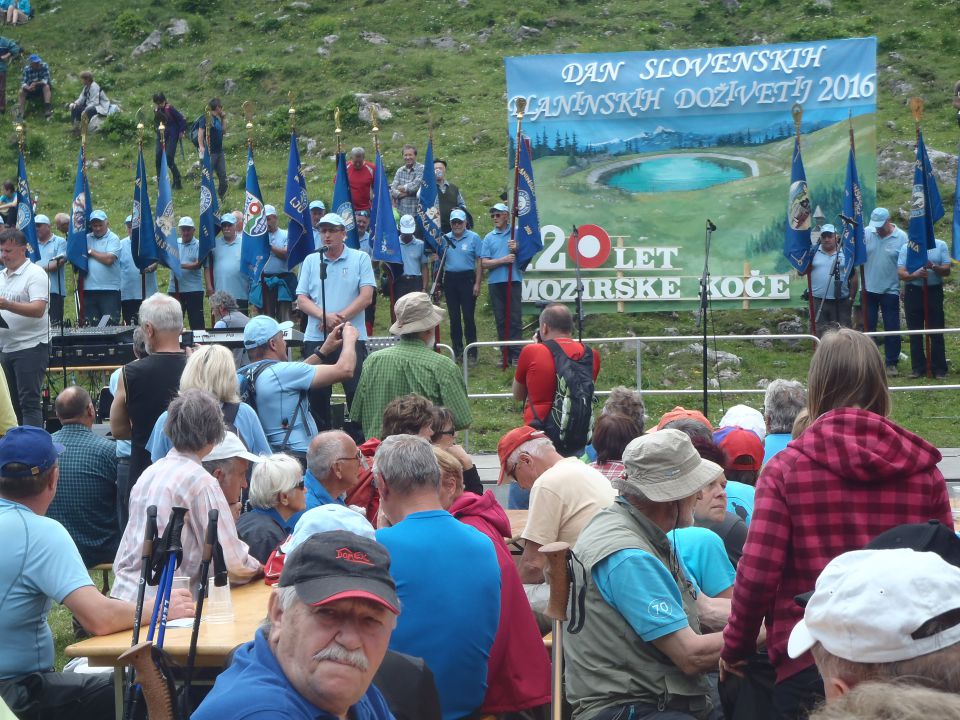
x: 131, y: 287
x: 639, y: 587
x: 317, y: 494
x: 462, y: 255
x: 880, y: 270
x: 274, y: 264
x: 246, y: 422
x: 280, y: 388
x: 704, y: 558
x: 448, y: 582
x: 938, y: 256
x: 345, y: 276
x: 255, y: 687
x: 191, y: 280
x: 495, y: 246
x: 774, y: 443
x: 413, y: 257
x: 821, y: 275
x: 740, y: 500
x: 228, y: 274
x: 48, y: 251
x: 40, y: 564
x: 366, y: 244
x: 100, y: 276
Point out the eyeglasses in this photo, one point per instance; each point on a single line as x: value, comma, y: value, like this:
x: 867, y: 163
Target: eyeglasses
x: 358, y: 457
x: 301, y: 485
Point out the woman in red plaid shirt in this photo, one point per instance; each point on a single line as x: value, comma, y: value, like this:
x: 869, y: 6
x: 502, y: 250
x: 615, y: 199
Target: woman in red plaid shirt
x: 851, y: 475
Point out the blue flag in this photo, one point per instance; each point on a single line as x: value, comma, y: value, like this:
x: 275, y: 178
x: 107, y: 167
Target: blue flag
x: 956, y: 215
x: 854, y: 249
x: 209, y: 208
x: 428, y: 205
x: 342, y: 205
x: 297, y: 208
x: 143, y: 238
x: 25, y: 221
x: 79, y: 218
x: 925, y: 210
x: 166, y: 236
x: 384, y: 237
x: 529, y: 241
x: 796, y: 242
x: 255, y: 250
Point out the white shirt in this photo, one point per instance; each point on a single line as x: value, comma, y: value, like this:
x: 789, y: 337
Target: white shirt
x: 25, y: 284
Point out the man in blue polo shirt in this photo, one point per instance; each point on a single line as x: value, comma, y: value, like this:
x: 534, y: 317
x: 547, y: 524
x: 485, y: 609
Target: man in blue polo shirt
x: 53, y: 258
x: 461, y: 281
x: 883, y: 241
x: 328, y: 625
x: 333, y: 468
x: 497, y: 254
x: 228, y: 273
x: 447, y: 574
x: 132, y: 281
x: 936, y: 269
x: 281, y: 387
x: 101, y: 289
x: 411, y: 277
x: 189, y: 288
x: 340, y: 297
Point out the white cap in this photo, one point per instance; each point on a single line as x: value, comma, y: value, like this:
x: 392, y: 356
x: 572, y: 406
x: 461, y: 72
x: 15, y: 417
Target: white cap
x: 186, y: 221
x: 269, y: 210
x: 408, y: 226
x: 828, y: 228
x: 326, y: 518
x: 41, y: 220
x: 869, y: 604
x: 746, y: 417
x: 230, y: 447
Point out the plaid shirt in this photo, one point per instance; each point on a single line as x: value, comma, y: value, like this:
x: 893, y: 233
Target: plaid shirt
x: 410, y: 179
x: 611, y: 470
x: 86, y: 499
x: 849, y: 477
x: 408, y: 367
x: 40, y: 74
x: 178, y: 480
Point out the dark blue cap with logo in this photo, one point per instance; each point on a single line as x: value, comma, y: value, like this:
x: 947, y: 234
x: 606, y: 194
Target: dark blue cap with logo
x: 31, y: 447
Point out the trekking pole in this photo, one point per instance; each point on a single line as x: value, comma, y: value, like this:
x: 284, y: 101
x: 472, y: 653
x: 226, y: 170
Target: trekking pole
x: 149, y: 538
x: 174, y: 552
x: 208, y: 550
x: 558, y: 577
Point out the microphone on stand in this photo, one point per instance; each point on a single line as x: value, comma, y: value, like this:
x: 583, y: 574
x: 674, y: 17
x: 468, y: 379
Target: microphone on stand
x: 710, y: 226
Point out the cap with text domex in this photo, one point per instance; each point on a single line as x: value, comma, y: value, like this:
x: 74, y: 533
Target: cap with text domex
x: 879, y: 217
x: 28, y: 446
x: 261, y: 330
x: 340, y: 565
x: 98, y: 215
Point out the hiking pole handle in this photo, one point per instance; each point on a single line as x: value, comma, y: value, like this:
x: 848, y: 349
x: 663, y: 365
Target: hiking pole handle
x: 174, y: 545
x: 558, y: 578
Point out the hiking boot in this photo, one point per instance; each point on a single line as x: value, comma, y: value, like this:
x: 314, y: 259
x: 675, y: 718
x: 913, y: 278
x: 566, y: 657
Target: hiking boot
x: 914, y: 375
x: 892, y: 371
x: 940, y: 375
x: 48, y: 111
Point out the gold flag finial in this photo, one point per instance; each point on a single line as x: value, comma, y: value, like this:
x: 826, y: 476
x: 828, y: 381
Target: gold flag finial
x: 916, y: 107
x: 21, y: 136
x: 797, y: 112
x: 521, y: 106
x: 248, y: 113
x: 292, y: 112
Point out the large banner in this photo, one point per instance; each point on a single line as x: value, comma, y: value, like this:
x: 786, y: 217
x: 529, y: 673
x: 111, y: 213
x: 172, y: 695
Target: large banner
x: 643, y: 150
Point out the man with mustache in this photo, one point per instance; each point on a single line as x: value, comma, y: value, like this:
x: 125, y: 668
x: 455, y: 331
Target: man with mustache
x: 328, y: 626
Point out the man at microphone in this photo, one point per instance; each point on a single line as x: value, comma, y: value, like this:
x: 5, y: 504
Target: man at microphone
x: 832, y: 285
x: 461, y: 281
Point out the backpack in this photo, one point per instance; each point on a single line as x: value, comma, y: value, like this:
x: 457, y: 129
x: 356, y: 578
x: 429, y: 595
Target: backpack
x: 248, y: 382
x: 195, y: 130
x: 569, y: 423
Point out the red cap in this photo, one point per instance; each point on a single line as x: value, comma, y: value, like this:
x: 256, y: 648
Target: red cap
x: 739, y: 442
x: 511, y: 441
x: 680, y: 412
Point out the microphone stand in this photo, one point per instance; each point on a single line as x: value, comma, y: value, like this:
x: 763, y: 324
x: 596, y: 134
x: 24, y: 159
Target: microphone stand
x: 436, y: 282
x: 576, y: 264
x: 704, y: 300
x: 323, y: 286
x: 835, y: 274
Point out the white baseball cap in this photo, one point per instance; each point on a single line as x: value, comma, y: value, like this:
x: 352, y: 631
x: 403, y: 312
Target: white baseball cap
x: 186, y: 221
x: 408, y: 225
x: 269, y: 210
x: 41, y: 220
x: 869, y: 605
x: 230, y: 447
x: 746, y: 417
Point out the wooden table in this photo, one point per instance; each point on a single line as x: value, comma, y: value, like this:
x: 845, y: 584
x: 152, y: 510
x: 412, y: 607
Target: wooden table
x: 214, y: 642
x: 518, y: 521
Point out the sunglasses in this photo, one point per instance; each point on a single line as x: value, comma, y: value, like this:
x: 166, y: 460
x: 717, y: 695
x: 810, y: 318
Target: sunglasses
x: 450, y: 431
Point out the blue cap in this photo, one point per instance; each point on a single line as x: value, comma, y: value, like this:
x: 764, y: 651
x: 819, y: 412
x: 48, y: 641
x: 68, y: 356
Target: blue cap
x: 458, y: 214
x: 828, y: 228
x: 499, y: 207
x: 332, y: 219
x: 879, y: 217
x: 228, y: 218
x: 30, y: 446
x: 35, y: 58
x: 317, y: 205
x: 98, y: 215
x: 261, y: 329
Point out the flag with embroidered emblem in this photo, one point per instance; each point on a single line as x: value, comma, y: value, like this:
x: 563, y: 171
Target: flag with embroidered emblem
x: 926, y: 209
x: 342, y: 204
x: 143, y: 239
x: 529, y: 241
x: 168, y: 252
x: 297, y: 209
x: 79, y: 217
x: 384, y: 237
x: 854, y: 249
x: 25, y: 211
x: 428, y: 203
x: 796, y: 242
x: 209, y: 208
x: 255, y: 247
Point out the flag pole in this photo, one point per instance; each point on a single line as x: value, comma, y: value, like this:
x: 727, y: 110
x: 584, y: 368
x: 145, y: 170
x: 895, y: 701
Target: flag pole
x: 143, y: 277
x: 916, y: 107
x: 863, y: 276
x: 436, y: 281
x: 797, y: 113
x: 376, y: 145
x: 211, y: 287
x: 521, y: 109
x: 84, y: 120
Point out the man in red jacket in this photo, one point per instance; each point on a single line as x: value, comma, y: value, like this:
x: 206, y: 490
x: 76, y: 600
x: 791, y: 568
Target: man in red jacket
x: 360, y: 178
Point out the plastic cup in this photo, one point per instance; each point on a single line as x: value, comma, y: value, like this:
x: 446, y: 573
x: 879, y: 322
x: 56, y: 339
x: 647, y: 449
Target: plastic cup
x: 955, y: 505
x: 218, y: 607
